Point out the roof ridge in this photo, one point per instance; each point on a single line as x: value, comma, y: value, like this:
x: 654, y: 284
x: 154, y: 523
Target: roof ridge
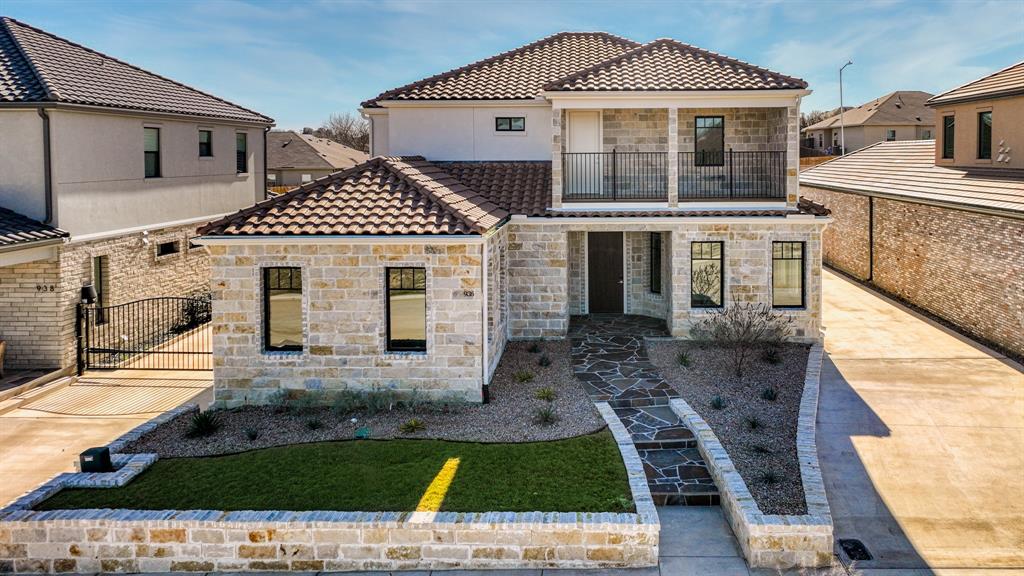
x: 8, y: 19
x: 976, y: 80
x: 488, y: 60
x: 665, y: 41
x: 47, y: 89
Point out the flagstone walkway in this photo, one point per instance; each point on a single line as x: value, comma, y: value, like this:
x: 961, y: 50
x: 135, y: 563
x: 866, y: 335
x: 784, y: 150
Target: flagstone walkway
x: 610, y: 360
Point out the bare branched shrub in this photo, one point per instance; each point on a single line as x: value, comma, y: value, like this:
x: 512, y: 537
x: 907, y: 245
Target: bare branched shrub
x: 741, y: 328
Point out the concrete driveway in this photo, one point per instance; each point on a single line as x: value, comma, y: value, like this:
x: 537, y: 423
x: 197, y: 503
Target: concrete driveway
x: 44, y: 436
x: 921, y: 438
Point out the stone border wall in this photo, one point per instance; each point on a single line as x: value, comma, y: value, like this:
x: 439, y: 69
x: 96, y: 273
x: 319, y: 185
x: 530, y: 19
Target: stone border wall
x: 207, y: 540
x: 772, y: 540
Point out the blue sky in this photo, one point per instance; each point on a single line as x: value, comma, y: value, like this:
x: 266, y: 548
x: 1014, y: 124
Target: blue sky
x: 300, y: 61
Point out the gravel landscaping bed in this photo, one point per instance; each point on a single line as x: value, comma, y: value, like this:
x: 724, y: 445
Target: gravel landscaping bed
x: 509, y: 417
x: 758, y: 453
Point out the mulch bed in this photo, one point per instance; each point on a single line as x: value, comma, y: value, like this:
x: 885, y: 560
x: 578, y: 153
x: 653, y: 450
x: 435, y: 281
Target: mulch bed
x: 771, y: 447
x: 509, y: 417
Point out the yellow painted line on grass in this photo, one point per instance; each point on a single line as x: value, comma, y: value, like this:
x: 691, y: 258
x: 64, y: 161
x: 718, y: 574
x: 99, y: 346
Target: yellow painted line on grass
x: 434, y: 496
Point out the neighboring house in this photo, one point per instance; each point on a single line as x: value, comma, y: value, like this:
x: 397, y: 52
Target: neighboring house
x: 897, y: 116
x: 583, y: 173
x: 125, y: 163
x: 940, y: 224
x: 294, y: 158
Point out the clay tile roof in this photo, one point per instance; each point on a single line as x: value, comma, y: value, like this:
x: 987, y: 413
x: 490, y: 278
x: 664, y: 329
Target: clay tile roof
x: 16, y: 229
x: 288, y: 150
x: 904, y: 107
x: 666, y: 64
x: 36, y: 66
x: 906, y: 169
x: 406, y: 195
x: 518, y: 187
x: 1006, y: 82
x: 518, y: 74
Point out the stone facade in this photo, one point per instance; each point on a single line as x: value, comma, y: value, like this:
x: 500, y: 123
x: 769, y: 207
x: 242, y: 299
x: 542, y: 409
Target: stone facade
x: 635, y: 130
x: 497, y: 298
x: 640, y: 298
x: 963, y: 267
x: 538, y: 281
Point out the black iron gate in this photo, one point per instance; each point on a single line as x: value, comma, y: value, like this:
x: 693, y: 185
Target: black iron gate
x: 166, y: 333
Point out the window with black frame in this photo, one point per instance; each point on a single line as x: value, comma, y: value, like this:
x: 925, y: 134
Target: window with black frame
x: 282, y: 309
x: 205, y: 143
x: 707, y: 275
x: 151, y: 151
x: 655, y: 262
x: 510, y: 124
x: 788, y: 274
x: 241, y: 153
x: 985, y: 135
x: 406, y: 309
x: 709, y: 141
x: 948, y: 136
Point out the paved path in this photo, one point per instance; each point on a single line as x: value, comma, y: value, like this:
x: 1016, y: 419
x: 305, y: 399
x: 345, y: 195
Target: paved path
x: 44, y: 437
x: 921, y: 438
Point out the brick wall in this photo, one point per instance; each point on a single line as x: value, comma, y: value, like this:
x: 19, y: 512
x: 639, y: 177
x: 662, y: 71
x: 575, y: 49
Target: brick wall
x: 845, y: 241
x: 497, y: 297
x: 30, y: 309
x: 538, y: 281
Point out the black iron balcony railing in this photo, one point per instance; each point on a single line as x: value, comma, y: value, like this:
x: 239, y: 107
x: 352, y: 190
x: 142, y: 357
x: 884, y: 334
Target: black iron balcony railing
x: 732, y: 176
x: 614, y: 176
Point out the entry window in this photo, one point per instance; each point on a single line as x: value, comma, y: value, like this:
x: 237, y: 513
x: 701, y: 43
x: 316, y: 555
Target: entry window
x: 510, y: 124
x: 709, y: 141
x: 151, y: 151
x: 205, y: 143
x: 241, y: 153
x: 407, y: 309
x: 706, y: 275
x: 655, y: 263
x: 948, y: 135
x: 985, y: 135
x: 890, y: 135
x: 282, y: 309
x: 788, y: 274
x: 167, y: 248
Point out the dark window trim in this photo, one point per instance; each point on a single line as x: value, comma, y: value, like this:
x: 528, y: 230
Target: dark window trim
x: 387, y: 309
x: 803, y: 273
x: 655, y: 270
x: 266, y: 310
x: 242, y: 156
x: 156, y: 154
x: 700, y: 160
x: 209, y: 145
x: 948, y: 136
x: 985, y: 152
x: 721, y: 272
x: 160, y: 246
x: 498, y: 119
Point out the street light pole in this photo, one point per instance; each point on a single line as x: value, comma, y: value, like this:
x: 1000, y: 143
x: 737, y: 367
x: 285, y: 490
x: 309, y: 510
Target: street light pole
x: 842, y: 123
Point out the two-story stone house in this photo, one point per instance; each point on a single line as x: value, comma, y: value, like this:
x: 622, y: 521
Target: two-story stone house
x: 105, y: 172
x: 583, y: 173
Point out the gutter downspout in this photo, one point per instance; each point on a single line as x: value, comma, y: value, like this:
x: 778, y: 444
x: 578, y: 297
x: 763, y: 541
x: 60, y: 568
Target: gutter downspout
x: 263, y: 194
x: 47, y: 166
x: 485, y: 385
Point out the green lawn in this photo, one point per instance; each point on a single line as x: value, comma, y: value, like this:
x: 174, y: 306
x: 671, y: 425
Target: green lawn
x: 583, y: 474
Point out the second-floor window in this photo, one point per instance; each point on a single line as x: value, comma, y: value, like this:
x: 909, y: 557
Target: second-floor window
x: 205, y: 143
x: 151, y: 151
x: 241, y: 153
x: 948, y: 135
x: 985, y: 135
x: 709, y: 141
x: 510, y: 124
x: 890, y: 135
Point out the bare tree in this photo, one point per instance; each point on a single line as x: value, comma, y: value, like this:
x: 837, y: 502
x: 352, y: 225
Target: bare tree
x: 741, y: 328
x: 349, y: 129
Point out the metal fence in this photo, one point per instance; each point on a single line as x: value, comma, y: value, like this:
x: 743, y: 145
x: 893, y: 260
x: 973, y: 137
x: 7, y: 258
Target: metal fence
x: 613, y: 176
x: 732, y: 175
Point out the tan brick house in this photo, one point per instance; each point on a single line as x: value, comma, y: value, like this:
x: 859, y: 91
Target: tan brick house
x: 126, y: 164
x: 295, y: 158
x: 940, y: 224
x: 581, y: 174
x: 897, y: 116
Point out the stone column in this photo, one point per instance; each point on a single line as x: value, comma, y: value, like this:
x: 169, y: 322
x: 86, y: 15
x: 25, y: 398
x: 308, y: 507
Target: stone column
x: 556, y: 157
x: 792, y: 122
x: 673, y: 157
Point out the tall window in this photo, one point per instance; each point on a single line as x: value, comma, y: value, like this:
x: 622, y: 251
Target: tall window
x: 985, y: 135
x: 282, y: 309
x: 788, y: 274
x: 655, y: 262
x: 151, y: 150
x: 948, y: 135
x: 407, y: 309
x: 890, y: 135
x: 706, y: 275
x: 709, y: 141
x: 241, y: 153
x: 99, y: 283
x: 205, y: 143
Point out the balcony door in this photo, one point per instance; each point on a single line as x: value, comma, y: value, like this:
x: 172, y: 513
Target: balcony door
x: 605, y: 272
x: 583, y: 166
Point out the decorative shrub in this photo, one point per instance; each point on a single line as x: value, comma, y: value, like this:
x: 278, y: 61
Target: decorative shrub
x: 523, y: 376
x: 741, y: 328
x: 252, y: 433
x: 534, y: 348
x: 769, y: 394
x: 718, y: 403
x: 412, y: 426
x: 546, y: 394
x: 753, y: 423
x: 770, y: 477
x: 544, y: 361
x: 759, y: 449
x: 684, y: 359
x: 203, y: 424
x: 347, y: 401
x: 314, y: 424
x: 545, y: 416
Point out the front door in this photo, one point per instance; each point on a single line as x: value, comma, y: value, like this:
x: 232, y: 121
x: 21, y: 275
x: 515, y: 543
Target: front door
x: 604, y: 271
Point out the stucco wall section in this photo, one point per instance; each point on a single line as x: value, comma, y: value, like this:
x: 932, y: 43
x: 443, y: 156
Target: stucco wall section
x: 30, y: 314
x: 22, y: 178
x: 344, y: 330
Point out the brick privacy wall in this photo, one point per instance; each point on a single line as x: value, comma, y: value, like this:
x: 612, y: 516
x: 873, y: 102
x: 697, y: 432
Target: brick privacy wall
x: 30, y: 309
x: 845, y: 241
x: 640, y: 300
x: 344, y: 321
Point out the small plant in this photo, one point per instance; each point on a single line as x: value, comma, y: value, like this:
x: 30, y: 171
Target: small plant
x: 412, y: 426
x: 314, y: 424
x: 307, y: 402
x: 279, y: 400
x: 347, y: 401
x: 772, y: 355
x: 545, y: 416
x: 523, y: 376
x: 380, y: 401
x: 684, y: 359
x: 622, y: 504
x: 769, y: 394
x: 534, y: 348
x: 252, y: 434
x: 770, y: 477
x: 753, y: 423
x: 759, y: 449
x: 203, y: 424
x: 546, y: 394
x: 414, y: 401
x: 718, y: 403
x: 544, y: 361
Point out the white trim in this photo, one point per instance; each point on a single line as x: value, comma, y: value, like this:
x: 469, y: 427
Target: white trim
x: 675, y: 99
x: 683, y: 207
x: 29, y: 254
x: 671, y: 220
x: 89, y: 109
x: 339, y: 239
x: 458, y: 103
x: 156, y: 226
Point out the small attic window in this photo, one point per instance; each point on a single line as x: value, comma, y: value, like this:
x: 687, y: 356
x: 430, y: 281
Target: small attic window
x: 510, y: 123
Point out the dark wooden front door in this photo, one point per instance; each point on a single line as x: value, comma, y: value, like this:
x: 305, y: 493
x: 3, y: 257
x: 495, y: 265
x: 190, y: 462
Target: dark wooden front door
x: 604, y: 267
